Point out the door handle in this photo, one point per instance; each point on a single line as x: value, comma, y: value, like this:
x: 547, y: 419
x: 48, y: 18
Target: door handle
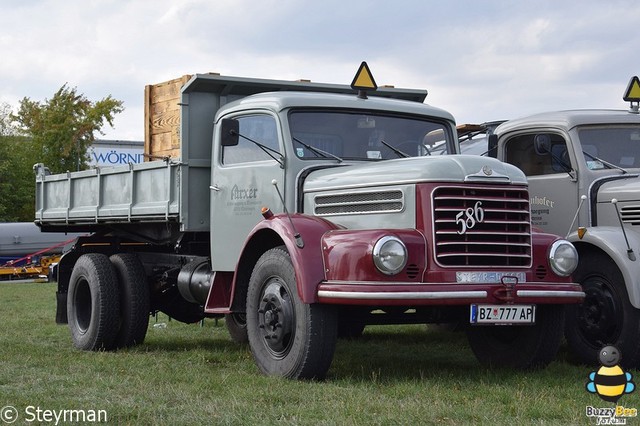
x: 214, y: 187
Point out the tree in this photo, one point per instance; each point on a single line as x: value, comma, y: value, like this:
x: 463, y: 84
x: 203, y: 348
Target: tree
x: 56, y: 132
x: 63, y: 127
x: 6, y: 127
x: 16, y: 177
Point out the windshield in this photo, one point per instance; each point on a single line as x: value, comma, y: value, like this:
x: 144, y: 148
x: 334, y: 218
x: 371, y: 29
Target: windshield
x: 356, y: 135
x: 619, y: 145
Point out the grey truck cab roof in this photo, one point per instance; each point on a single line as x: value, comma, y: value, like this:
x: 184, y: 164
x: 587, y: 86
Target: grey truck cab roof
x: 569, y: 119
x: 279, y: 101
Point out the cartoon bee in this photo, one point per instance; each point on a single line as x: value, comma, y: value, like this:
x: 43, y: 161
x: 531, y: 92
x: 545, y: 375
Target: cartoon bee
x: 610, y: 382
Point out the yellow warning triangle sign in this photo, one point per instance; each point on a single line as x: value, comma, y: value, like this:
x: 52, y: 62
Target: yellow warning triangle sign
x: 363, y: 79
x: 633, y: 91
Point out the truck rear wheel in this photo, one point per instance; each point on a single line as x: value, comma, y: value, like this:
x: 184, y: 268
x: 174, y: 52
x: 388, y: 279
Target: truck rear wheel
x: 287, y: 337
x: 606, y: 317
x: 93, y: 303
x: 520, y: 346
x: 134, y: 299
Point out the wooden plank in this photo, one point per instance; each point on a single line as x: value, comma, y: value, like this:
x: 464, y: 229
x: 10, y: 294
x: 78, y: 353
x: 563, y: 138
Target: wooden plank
x: 147, y: 133
x: 162, y: 118
x: 165, y: 122
x: 168, y: 90
x: 165, y: 144
x: 161, y: 107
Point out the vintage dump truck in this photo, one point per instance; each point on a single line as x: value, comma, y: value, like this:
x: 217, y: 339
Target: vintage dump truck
x: 583, y: 168
x: 303, y: 211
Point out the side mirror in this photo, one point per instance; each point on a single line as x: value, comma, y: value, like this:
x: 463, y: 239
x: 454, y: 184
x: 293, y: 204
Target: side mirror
x: 542, y: 144
x: 230, y: 132
x: 492, y: 146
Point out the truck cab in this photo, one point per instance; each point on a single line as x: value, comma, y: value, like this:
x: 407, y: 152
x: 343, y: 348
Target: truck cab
x: 583, y: 171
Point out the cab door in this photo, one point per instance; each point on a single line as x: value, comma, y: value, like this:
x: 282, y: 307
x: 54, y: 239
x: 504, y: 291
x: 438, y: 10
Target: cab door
x: 241, y: 184
x: 550, y: 168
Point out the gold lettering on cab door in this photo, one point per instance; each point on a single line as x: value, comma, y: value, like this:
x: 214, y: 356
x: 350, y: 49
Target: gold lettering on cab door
x: 540, y: 208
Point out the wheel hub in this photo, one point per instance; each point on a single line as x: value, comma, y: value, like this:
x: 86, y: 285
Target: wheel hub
x: 597, y: 315
x: 275, y: 317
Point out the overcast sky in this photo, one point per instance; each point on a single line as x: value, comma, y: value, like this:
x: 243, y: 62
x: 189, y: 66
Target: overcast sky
x: 480, y: 60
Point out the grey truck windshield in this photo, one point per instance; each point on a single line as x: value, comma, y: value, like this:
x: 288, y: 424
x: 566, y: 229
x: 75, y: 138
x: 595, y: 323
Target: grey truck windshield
x: 618, y: 145
x: 370, y: 136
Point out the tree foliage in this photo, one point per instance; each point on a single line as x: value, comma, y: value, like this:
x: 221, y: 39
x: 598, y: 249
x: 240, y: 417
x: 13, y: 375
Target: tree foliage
x: 56, y: 132
x: 6, y: 127
x: 63, y: 127
x: 16, y: 177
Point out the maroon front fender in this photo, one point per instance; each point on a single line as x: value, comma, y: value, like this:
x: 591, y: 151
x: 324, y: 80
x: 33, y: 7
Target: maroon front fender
x: 307, y: 260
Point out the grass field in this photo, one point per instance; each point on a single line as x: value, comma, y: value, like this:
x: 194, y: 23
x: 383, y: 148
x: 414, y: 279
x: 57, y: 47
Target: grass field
x: 193, y: 374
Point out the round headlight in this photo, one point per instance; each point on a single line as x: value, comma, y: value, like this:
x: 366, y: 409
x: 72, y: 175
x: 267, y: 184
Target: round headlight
x: 563, y: 258
x: 389, y: 255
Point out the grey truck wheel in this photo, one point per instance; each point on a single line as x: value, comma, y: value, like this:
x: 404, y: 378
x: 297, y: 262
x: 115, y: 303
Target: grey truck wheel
x: 606, y: 317
x: 287, y: 337
x: 521, y: 346
x: 93, y: 304
x: 134, y: 299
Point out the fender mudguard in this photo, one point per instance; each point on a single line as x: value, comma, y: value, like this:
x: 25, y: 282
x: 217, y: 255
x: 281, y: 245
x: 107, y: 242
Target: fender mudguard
x: 307, y: 260
x: 610, y: 240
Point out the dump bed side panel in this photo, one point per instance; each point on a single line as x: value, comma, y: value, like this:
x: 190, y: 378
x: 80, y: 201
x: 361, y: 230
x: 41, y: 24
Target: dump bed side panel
x: 134, y: 193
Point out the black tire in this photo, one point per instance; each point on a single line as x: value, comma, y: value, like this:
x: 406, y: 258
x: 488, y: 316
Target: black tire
x: 237, y: 325
x: 93, y: 303
x: 134, y: 299
x: 287, y: 338
x: 606, y: 317
x: 520, y: 346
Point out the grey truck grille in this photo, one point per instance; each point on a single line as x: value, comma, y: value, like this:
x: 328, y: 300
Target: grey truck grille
x: 359, y: 202
x: 630, y: 215
x: 477, y: 226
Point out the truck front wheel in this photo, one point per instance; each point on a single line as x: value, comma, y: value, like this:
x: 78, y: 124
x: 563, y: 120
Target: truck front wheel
x: 520, y: 346
x: 93, y: 304
x: 606, y: 317
x: 287, y: 337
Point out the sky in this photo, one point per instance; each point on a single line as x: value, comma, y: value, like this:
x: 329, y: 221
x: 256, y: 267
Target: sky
x: 480, y: 60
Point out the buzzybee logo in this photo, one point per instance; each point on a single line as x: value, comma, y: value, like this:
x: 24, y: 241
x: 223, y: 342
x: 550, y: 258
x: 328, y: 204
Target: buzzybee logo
x: 610, y: 382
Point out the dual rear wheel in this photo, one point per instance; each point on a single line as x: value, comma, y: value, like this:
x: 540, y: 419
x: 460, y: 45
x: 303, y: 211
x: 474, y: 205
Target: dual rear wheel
x: 108, y: 302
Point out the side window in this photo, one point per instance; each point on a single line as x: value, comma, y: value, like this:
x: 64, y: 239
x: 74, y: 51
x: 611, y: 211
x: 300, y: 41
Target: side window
x: 538, y: 154
x: 260, y: 128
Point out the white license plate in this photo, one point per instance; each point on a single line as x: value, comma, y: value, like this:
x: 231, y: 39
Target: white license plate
x: 488, y: 276
x: 502, y: 314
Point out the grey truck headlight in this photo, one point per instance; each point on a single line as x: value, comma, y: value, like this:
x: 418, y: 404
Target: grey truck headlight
x: 389, y: 255
x: 563, y: 258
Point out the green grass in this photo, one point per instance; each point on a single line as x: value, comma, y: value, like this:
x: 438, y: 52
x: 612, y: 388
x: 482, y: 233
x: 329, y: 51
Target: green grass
x: 193, y: 374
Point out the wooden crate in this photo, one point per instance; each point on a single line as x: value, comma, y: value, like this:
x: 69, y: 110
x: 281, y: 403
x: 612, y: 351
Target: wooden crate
x: 162, y: 119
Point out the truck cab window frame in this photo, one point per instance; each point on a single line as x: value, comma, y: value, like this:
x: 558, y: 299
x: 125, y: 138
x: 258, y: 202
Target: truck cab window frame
x: 262, y: 128
x: 521, y: 151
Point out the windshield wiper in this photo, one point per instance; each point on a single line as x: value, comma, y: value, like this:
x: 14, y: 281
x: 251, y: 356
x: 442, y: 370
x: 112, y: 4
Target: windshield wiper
x: 264, y: 148
x: 395, y: 150
x: 606, y: 163
x: 318, y: 151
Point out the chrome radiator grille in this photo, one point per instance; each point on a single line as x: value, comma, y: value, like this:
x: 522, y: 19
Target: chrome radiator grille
x: 478, y: 226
